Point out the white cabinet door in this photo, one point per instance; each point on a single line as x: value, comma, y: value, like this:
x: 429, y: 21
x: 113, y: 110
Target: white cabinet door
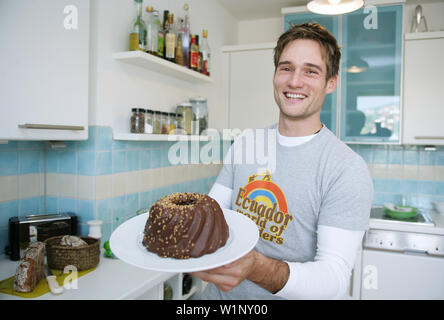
x: 391, y: 275
x: 44, y: 62
x: 251, y: 100
x: 423, y: 112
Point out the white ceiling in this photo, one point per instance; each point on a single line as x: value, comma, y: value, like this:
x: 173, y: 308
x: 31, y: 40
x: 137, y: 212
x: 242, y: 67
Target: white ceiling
x: 262, y: 9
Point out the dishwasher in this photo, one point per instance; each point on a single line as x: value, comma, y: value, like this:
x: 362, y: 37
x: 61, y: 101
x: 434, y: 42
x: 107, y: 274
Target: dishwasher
x: 398, y: 265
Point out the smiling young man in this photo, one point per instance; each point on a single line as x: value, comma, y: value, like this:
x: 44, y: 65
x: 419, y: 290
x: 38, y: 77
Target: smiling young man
x: 312, y: 210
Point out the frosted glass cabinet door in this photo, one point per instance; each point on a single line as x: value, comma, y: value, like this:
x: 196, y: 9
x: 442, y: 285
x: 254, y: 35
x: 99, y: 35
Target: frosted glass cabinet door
x: 371, y: 75
x: 329, y: 108
x: 44, y: 63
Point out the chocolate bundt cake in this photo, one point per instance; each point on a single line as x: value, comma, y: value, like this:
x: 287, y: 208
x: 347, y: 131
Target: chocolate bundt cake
x: 184, y: 225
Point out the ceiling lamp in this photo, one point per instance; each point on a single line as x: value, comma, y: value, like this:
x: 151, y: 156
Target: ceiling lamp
x: 333, y: 7
x: 356, y: 65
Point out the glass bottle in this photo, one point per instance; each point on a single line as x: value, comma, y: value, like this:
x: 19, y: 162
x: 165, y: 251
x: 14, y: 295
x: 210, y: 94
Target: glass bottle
x: 138, y: 29
x: 194, y: 53
x: 206, y: 53
x: 179, y: 51
x: 152, y: 31
x: 157, y: 129
x: 170, y: 40
x: 138, y: 120
x: 160, y: 39
x: 186, y: 37
x: 199, y: 55
x: 165, y: 27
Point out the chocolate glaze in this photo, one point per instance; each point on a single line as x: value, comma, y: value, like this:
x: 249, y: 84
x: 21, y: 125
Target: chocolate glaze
x: 185, y: 225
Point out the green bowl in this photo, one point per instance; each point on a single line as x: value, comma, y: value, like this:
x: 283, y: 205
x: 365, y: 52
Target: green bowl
x: 401, y: 214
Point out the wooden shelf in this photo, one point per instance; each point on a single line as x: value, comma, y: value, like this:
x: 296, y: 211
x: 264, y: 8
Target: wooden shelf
x: 151, y: 62
x: 158, y: 137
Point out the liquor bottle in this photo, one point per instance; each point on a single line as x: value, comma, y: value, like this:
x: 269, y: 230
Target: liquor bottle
x: 160, y: 39
x: 138, y: 29
x: 164, y: 29
x: 152, y: 32
x: 194, y: 53
x: 170, y: 40
x: 206, y: 53
x: 179, y: 51
x: 199, y: 55
x: 186, y: 37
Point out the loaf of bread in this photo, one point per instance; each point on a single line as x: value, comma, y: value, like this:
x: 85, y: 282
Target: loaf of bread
x: 72, y: 241
x: 30, y: 269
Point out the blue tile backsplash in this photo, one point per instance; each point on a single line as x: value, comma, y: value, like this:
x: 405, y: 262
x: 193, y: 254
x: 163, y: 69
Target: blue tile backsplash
x: 101, y: 155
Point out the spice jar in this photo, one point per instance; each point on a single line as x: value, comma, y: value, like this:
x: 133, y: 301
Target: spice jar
x: 148, y: 121
x: 164, y: 123
x: 172, y: 123
x: 179, y: 123
x: 156, y: 122
x: 138, y: 120
x: 185, y: 110
x: 200, y: 114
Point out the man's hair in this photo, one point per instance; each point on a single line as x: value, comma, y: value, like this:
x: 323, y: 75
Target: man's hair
x: 331, y: 53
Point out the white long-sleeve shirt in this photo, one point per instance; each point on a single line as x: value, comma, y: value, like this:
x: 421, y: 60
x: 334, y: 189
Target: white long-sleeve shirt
x: 328, y: 276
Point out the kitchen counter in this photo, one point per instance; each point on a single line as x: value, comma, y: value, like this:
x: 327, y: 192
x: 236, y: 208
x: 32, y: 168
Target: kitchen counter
x: 437, y: 218
x: 111, y: 280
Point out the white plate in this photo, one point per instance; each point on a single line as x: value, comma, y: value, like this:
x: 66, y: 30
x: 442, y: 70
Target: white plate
x: 126, y: 244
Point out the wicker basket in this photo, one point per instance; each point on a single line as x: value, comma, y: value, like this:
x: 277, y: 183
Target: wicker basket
x: 82, y: 257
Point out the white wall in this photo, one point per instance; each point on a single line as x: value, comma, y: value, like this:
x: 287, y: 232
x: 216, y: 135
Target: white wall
x: 257, y: 31
x: 116, y: 87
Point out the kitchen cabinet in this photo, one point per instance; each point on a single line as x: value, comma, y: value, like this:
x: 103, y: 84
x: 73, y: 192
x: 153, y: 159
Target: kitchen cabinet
x: 44, y: 60
x: 371, y: 75
x: 423, y: 88
x: 249, y: 85
x: 365, y: 108
x: 401, y: 276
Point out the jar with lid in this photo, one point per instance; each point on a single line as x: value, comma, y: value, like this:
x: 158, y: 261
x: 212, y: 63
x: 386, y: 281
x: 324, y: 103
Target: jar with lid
x: 172, y: 123
x: 179, y: 123
x: 156, y: 122
x: 164, y: 122
x: 186, y: 112
x: 138, y: 120
x: 148, y: 121
x: 200, y: 114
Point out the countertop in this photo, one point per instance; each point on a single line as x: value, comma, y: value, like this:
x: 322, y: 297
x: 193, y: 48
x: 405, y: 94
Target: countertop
x: 112, y: 279
x: 437, y: 218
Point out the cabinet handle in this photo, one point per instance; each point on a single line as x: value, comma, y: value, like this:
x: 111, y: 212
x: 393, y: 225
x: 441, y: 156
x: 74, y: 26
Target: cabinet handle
x: 50, y: 126
x: 429, y: 138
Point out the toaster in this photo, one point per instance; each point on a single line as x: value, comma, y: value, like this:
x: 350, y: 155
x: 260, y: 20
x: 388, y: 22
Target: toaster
x: 28, y: 229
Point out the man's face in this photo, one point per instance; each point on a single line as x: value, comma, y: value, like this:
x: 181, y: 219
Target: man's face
x: 299, y: 81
